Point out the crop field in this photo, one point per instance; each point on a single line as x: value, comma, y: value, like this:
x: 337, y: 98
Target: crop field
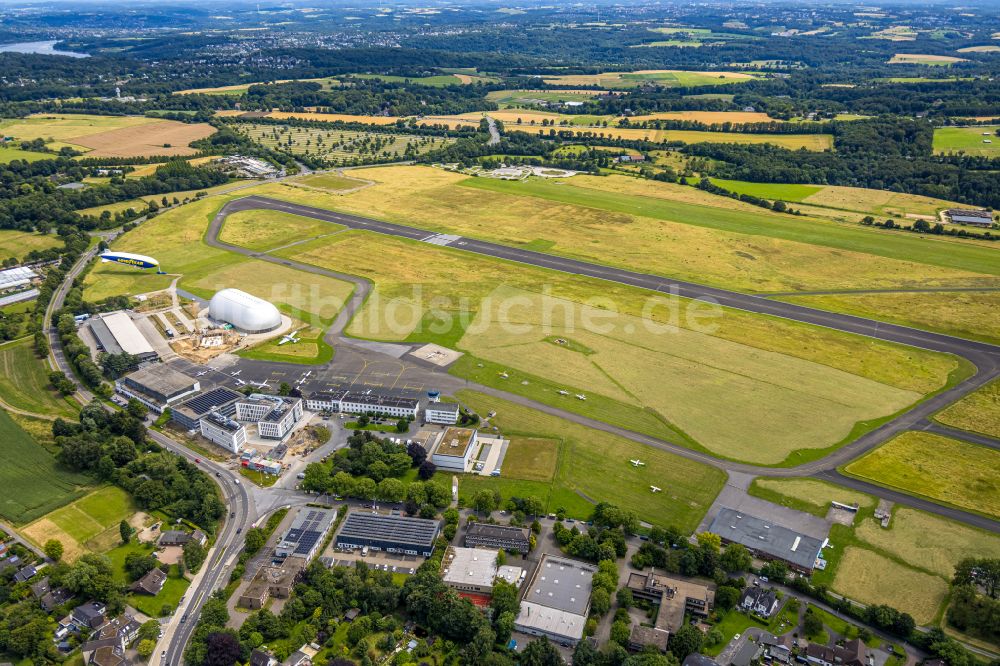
x: 8, y: 155
x: 870, y: 578
x: 969, y: 140
x: 138, y: 205
x: 941, y: 469
x: 15, y: 243
x: 269, y: 229
x: 708, y: 117
x: 663, y: 77
x: 110, y: 136
x: 437, y: 81
x: 966, y: 314
x: 660, y: 228
x: 64, y: 128
x: 593, y: 467
x: 978, y: 411
x: 88, y: 524
x: 35, y: 484
x: 807, y: 495
x: 907, y: 539
x: 531, y: 458
x: 24, y: 382
x: 923, y: 59
x: 816, y: 142
x: 341, y: 146
x: 523, y: 96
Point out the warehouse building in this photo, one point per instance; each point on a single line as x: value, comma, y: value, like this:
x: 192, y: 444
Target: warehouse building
x: 157, y: 387
x: 557, y: 600
x: 442, y: 413
x: 245, y: 312
x: 275, y: 415
x: 191, y: 411
x: 394, y: 534
x: 972, y: 217
x: 115, y: 333
x: 767, y: 540
x: 13, y: 278
x: 503, y: 537
x: 470, y: 570
x: 455, y: 449
x: 305, y: 537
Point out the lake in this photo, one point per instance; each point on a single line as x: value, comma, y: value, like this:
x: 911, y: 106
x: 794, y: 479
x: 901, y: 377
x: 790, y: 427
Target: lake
x: 41, y: 48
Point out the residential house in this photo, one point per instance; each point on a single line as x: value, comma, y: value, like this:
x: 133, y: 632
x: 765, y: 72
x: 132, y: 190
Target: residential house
x: 151, y: 583
x: 108, y: 656
x: 298, y: 658
x: 853, y: 653
x: 48, y: 598
x: 25, y: 574
x: 260, y: 658
x: 86, y: 616
x: 699, y: 660
x: 180, y: 538
x: 759, y: 601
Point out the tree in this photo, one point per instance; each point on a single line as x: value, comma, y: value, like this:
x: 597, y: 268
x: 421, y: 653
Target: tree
x: 402, y: 425
x: 125, y: 530
x: 254, y: 540
x: 222, y: 649
x: 145, y: 648
x: 426, y: 470
x: 540, y: 652
x: 484, y: 501
x: 686, y: 641
x: 417, y: 453
x: 136, y: 409
x: 734, y: 558
x: 54, y: 549
x: 709, y: 541
x: 726, y: 597
x: 600, y: 601
x: 812, y: 625
x: 620, y: 631
x: 625, y: 599
x: 194, y: 555
x: 504, y: 598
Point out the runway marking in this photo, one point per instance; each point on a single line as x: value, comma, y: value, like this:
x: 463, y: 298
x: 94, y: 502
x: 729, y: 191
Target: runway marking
x: 440, y: 239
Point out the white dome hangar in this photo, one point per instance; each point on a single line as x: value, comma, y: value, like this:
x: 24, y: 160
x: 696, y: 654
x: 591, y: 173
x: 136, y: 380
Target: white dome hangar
x: 244, y: 311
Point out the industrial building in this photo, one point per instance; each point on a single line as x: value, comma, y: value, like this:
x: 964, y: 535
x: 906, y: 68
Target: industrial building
x: 442, y: 413
x: 975, y: 218
x: 275, y: 415
x: 394, y: 534
x: 767, y: 540
x: 115, y: 333
x: 245, y: 312
x: 469, y: 569
x: 305, y: 537
x: 157, y: 387
x: 503, y: 537
x: 557, y: 600
x: 191, y: 411
x: 12, y: 278
x: 455, y: 449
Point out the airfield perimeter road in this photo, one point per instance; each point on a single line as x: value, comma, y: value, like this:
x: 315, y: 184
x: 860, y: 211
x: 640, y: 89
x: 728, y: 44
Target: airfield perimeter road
x: 984, y: 356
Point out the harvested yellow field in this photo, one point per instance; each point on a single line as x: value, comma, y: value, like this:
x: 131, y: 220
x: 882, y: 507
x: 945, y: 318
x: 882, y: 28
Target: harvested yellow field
x: 907, y: 539
x: 164, y: 137
x: 988, y: 48
x: 978, y: 411
x: 923, y: 59
x: 531, y: 458
x: 666, y: 77
x: 334, y: 117
x: 817, y: 142
x: 707, y: 117
x: 870, y: 578
x: 945, y: 470
x: 451, y: 122
x: 44, y: 529
x: 878, y: 202
x: 67, y: 127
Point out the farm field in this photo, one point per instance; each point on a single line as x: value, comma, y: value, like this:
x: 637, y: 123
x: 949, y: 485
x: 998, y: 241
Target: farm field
x: 332, y: 182
x: 37, y: 484
x: 341, y: 146
x: 594, y: 466
x: 616, y: 365
x: 968, y: 140
x: 109, y: 136
x: 268, y: 229
x: 8, y: 155
x: 807, y: 495
x: 945, y: 470
x: 88, y: 524
x: 528, y: 96
x: 24, y: 382
x: 816, y: 142
x: 437, y: 81
x: 923, y: 59
x: 654, y: 225
x: 870, y: 578
x: 977, y: 412
x: 664, y: 77
x: 334, y: 117
x: 15, y: 243
x: 965, y: 314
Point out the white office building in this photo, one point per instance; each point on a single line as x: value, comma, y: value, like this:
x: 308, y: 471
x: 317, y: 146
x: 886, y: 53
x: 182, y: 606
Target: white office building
x: 455, y: 449
x: 363, y: 403
x: 224, y: 431
x: 275, y: 415
x: 443, y: 413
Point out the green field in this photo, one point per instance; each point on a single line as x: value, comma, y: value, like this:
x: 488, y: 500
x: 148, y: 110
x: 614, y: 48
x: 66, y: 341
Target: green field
x: 531, y: 459
x: 19, y: 243
x: 269, y: 229
x: 978, y: 411
x: 173, y: 588
x: 534, y: 97
x: 34, y: 483
x: 944, y: 470
x: 666, y: 78
x: 807, y: 495
x: 593, y: 467
x: 24, y: 382
x: 776, y: 191
x: 8, y: 155
x: 341, y: 147
x: 438, y: 81
x: 332, y: 182
x: 968, y: 140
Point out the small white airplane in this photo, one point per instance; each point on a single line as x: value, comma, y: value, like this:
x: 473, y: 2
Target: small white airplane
x: 307, y: 374
x: 637, y: 463
x: 236, y: 374
x: 504, y: 375
x: 288, y: 338
x: 240, y: 382
x: 655, y: 489
x: 262, y: 384
x: 203, y: 372
x: 563, y: 392
x: 580, y: 396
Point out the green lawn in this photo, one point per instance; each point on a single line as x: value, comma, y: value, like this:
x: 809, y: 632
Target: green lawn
x: 808, y: 495
x: 24, y: 381
x: 14, y: 243
x: 733, y: 623
x: 906, y: 247
x: 100, y: 510
x: 970, y: 140
x: 168, y: 598
x: 33, y: 482
x: 8, y: 155
x: 331, y: 181
x: 782, y: 191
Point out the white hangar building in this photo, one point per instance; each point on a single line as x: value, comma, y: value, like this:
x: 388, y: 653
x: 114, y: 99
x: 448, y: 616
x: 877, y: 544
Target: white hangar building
x: 246, y: 312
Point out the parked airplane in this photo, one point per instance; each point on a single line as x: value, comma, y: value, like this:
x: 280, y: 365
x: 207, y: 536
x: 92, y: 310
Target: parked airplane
x: 236, y: 374
x: 262, y: 384
x: 203, y: 372
x: 580, y: 396
x: 240, y: 382
x: 655, y: 489
x: 289, y: 338
x: 504, y: 375
x: 637, y: 463
x: 563, y: 392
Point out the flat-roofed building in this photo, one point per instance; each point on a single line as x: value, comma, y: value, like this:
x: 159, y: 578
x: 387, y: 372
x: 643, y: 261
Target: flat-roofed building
x: 115, y: 333
x: 325, y: 401
x: 973, y: 217
x: 455, y: 449
x: 394, y: 534
x: 275, y: 415
x: 443, y: 413
x: 307, y: 533
x: 224, y: 431
x: 675, y: 596
x: 12, y: 278
x: 272, y: 581
x: 364, y: 403
x: 157, y: 386
x: 191, y: 411
x: 643, y: 636
x: 469, y: 569
x: 768, y: 540
x: 503, y: 537
x: 557, y: 599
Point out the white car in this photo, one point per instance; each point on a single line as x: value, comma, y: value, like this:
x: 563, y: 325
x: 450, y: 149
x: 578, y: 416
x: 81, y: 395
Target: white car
x: 737, y: 637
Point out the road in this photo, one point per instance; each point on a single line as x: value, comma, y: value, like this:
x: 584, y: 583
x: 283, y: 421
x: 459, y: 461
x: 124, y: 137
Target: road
x: 494, y: 132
